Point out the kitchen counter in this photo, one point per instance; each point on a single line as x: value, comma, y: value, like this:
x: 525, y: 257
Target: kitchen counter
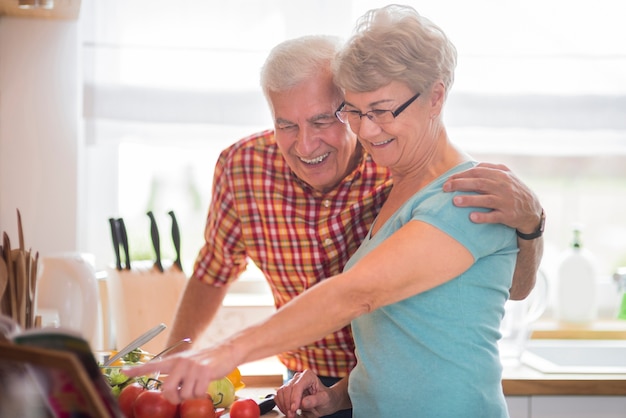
x: 521, y: 380
x: 599, y: 330
x: 517, y: 379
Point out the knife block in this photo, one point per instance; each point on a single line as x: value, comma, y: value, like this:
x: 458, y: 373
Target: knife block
x: 141, y: 298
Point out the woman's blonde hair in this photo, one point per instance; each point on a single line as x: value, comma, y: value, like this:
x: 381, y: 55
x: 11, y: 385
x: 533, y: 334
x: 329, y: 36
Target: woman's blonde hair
x: 395, y: 43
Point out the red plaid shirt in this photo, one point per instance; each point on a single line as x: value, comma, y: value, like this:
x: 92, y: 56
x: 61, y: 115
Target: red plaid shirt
x: 297, y: 236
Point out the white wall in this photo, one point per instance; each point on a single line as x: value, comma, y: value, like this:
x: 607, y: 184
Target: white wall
x: 40, y: 134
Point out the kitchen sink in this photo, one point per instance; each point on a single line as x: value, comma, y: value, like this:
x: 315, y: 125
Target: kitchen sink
x: 576, y: 356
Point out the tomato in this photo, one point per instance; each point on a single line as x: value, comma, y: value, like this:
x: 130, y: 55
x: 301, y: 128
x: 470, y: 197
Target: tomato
x: 151, y: 404
x: 127, y: 398
x: 197, y: 408
x: 245, y: 408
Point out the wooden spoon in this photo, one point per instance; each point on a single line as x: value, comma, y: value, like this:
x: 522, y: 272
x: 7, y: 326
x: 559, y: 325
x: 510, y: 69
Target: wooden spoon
x: 27, y: 297
x: 34, y: 271
x: 4, y: 280
x: 21, y: 282
x: 6, y: 247
x: 20, y: 232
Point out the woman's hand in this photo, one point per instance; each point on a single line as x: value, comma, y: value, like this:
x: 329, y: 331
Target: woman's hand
x: 306, y: 394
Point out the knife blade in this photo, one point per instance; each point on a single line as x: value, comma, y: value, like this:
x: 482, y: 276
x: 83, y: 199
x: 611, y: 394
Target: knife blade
x: 124, y: 241
x: 116, y: 243
x: 156, y: 242
x: 176, y: 240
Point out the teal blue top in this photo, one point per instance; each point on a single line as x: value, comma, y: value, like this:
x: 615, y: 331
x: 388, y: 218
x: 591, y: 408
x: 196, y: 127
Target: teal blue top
x: 435, y: 354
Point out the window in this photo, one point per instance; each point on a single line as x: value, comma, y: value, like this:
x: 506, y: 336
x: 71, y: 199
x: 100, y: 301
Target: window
x: 539, y: 86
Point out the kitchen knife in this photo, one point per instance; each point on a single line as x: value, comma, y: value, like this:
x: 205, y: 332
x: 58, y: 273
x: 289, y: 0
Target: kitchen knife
x: 116, y: 243
x: 124, y: 241
x: 156, y: 242
x: 137, y: 343
x: 176, y: 240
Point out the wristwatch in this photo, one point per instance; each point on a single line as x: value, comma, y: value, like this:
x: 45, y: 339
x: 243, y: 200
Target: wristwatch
x: 537, y: 232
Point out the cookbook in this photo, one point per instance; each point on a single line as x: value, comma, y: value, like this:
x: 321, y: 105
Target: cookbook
x: 61, y: 365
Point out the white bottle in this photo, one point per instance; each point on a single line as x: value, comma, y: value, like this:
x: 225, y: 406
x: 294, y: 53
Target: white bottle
x: 576, y: 297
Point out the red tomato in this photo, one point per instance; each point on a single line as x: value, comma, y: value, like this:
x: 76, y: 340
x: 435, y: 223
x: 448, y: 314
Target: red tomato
x: 197, y: 408
x: 245, y: 408
x: 151, y: 404
x: 127, y: 398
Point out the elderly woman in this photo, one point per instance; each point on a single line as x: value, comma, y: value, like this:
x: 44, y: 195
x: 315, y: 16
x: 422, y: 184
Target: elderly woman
x: 432, y: 351
x: 425, y: 292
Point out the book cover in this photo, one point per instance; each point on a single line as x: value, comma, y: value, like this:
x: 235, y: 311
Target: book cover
x: 64, y: 369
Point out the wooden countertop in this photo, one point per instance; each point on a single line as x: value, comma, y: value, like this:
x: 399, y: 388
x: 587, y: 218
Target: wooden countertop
x: 525, y: 381
x: 521, y: 380
x: 517, y: 380
x: 597, y: 330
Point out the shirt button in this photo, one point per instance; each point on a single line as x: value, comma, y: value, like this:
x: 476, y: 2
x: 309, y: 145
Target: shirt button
x: 326, y: 203
x: 328, y: 241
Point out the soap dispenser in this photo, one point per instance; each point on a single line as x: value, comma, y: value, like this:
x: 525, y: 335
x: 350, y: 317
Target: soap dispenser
x: 577, y: 288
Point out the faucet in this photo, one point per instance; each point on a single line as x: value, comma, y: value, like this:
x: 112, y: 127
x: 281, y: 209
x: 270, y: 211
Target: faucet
x: 620, y: 279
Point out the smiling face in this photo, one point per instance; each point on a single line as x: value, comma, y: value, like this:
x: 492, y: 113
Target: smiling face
x: 406, y: 142
x: 319, y: 149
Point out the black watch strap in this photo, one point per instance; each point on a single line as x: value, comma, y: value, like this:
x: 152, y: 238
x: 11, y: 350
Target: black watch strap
x: 537, y: 232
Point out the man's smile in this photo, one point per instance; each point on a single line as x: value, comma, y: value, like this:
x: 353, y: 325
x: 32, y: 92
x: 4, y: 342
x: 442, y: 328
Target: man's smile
x: 315, y: 160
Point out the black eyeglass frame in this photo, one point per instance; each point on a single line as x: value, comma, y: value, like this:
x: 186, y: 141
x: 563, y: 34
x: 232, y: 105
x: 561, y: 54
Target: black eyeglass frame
x: 369, y: 114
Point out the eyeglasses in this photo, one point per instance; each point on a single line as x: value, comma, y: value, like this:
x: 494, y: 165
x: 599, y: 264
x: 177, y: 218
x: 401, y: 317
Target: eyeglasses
x: 378, y: 116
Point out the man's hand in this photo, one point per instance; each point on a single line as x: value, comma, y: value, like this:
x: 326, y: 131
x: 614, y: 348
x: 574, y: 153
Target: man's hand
x: 511, y: 202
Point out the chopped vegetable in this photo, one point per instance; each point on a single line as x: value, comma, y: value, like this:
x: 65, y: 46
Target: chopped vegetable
x: 118, y: 380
